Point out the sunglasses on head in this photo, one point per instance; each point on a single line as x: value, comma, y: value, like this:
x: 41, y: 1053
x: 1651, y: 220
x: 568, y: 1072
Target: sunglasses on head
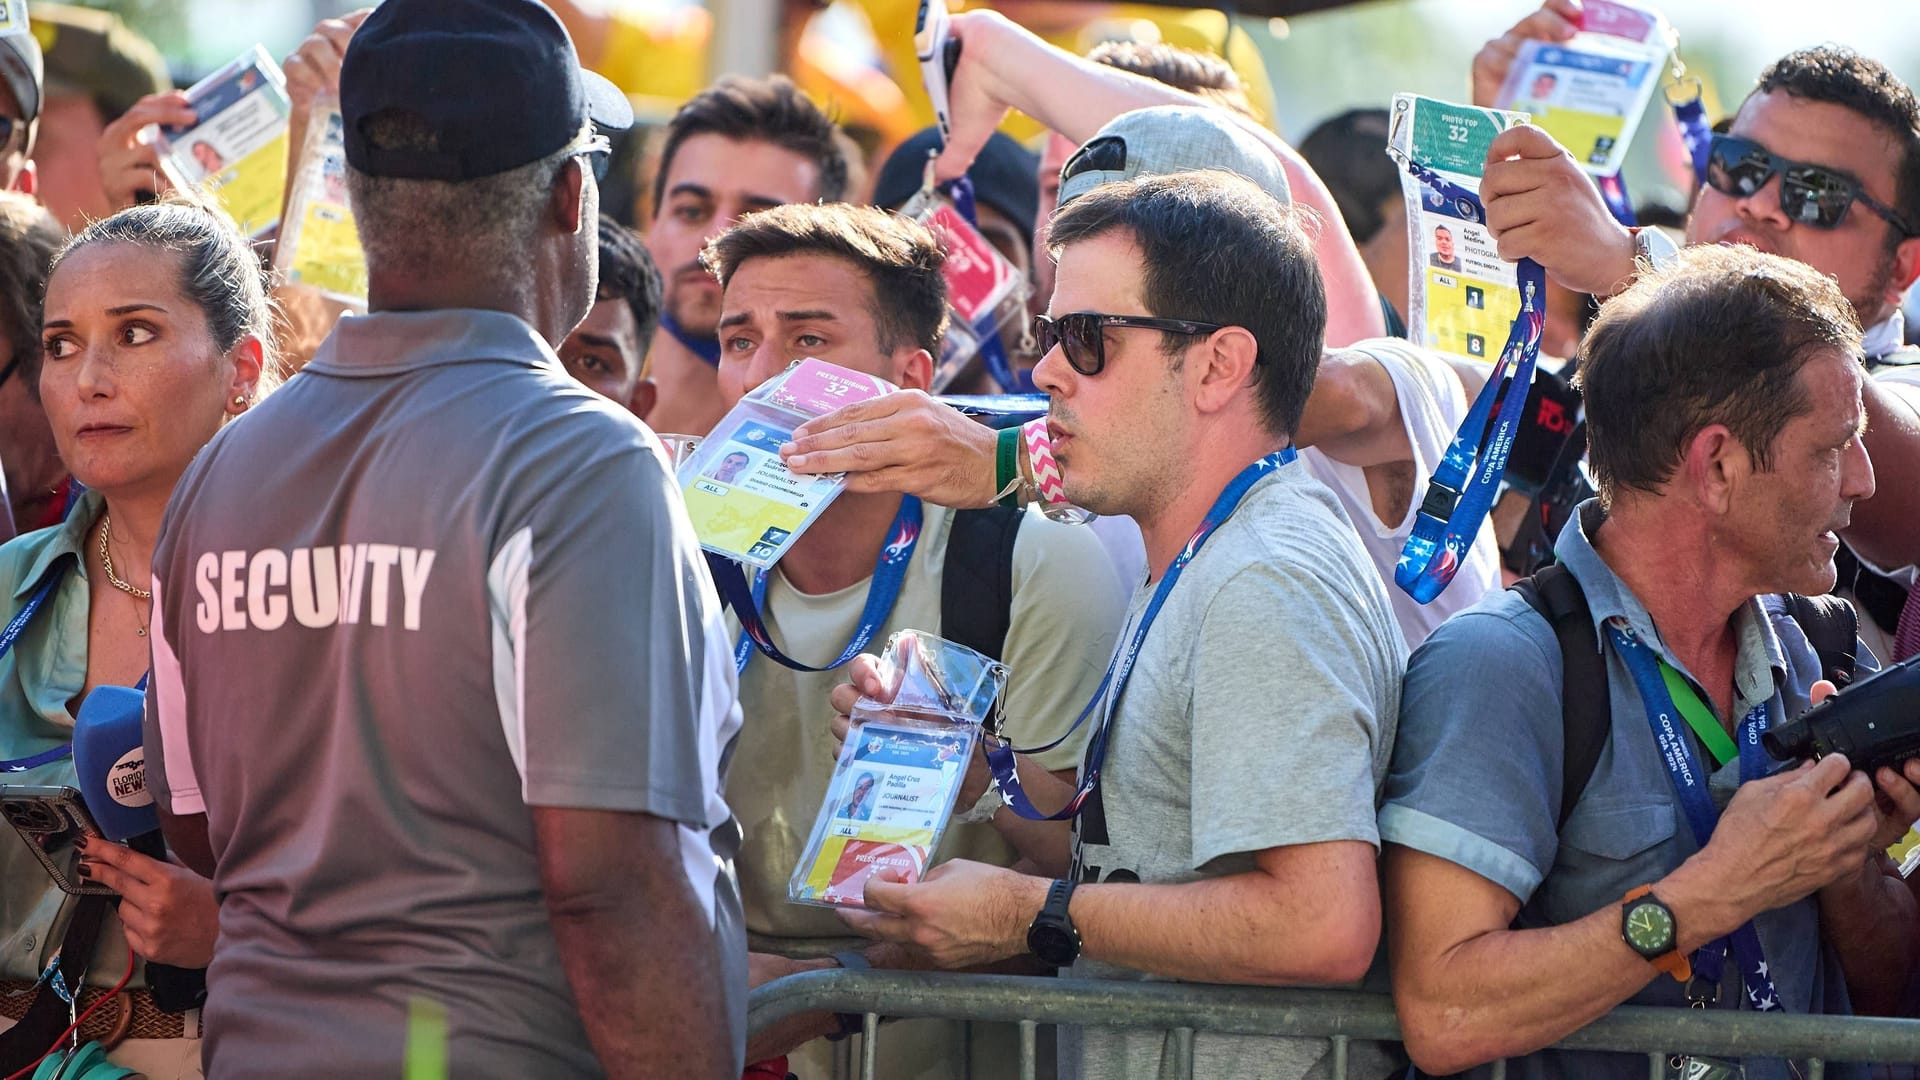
x: 1809, y: 194
x: 1081, y: 334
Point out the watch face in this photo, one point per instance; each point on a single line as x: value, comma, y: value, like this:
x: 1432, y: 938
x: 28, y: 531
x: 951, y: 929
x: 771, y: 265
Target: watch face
x: 1055, y: 945
x: 1648, y: 926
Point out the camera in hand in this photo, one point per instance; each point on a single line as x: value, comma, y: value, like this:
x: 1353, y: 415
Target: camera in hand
x: 1874, y: 722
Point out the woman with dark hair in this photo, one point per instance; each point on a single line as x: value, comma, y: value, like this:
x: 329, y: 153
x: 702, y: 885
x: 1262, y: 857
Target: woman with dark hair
x: 156, y: 331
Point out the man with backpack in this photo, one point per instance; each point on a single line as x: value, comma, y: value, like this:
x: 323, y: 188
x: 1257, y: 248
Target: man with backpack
x: 1562, y: 823
x: 861, y: 288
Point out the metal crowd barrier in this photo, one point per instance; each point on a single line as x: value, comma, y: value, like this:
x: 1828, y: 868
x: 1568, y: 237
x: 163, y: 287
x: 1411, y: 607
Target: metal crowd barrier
x: 1342, y: 1016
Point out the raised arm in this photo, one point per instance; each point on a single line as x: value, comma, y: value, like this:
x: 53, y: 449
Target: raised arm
x: 1004, y: 66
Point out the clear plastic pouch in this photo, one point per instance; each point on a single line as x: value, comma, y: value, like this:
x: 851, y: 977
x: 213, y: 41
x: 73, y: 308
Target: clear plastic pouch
x: 744, y: 502
x: 985, y: 291
x: 318, y: 246
x: 1589, y: 93
x: 236, y: 151
x: 1461, y: 295
x: 894, y: 787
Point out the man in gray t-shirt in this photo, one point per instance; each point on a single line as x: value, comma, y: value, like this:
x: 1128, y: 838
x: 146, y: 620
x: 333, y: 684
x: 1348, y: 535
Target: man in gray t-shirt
x: 1228, y: 832
x: 441, y: 689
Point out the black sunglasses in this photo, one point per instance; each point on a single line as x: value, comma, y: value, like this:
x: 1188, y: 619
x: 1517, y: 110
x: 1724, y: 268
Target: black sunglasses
x: 1080, y: 334
x: 1809, y: 194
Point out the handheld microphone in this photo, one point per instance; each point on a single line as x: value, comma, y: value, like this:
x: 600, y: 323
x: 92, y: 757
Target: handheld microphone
x: 112, y: 762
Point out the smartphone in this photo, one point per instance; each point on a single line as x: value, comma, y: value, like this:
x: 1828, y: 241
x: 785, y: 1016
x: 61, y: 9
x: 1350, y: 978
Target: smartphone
x: 939, y: 54
x: 50, y: 820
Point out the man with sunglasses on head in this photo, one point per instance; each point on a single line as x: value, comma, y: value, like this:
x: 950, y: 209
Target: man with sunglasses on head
x: 1821, y: 164
x: 1223, y: 818
x: 1380, y: 416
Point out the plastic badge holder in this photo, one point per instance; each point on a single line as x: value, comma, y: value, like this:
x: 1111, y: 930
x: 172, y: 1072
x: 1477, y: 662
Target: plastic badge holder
x: 237, y: 148
x: 1590, y: 92
x: 1462, y: 296
x: 894, y: 787
x: 318, y: 246
x: 984, y: 290
x: 744, y: 502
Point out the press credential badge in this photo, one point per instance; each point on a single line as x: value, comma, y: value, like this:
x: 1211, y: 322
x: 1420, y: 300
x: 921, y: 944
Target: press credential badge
x: 1462, y: 295
x: 1590, y: 92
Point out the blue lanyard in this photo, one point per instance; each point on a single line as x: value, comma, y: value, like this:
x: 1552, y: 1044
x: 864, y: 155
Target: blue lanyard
x: 707, y: 349
x: 7, y: 638
x: 1695, y: 132
x: 889, y: 573
x: 1000, y: 753
x: 1690, y: 782
x: 1459, y: 497
x: 1613, y: 191
x: 992, y: 352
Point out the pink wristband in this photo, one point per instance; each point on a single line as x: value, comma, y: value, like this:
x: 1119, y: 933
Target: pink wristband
x: 1046, y: 471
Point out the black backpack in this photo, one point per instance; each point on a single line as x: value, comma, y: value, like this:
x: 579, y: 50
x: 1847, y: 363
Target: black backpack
x: 1829, y: 622
x: 976, y: 581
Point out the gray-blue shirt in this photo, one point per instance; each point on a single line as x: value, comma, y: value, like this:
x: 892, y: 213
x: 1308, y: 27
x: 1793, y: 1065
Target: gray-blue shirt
x: 1476, y: 781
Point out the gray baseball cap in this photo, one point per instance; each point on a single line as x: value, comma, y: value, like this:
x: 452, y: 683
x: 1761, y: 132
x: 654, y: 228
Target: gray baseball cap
x: 1171, y: 139
x: 25, y: 71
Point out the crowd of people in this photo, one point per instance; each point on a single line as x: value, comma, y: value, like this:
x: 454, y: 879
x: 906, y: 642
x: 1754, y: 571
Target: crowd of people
x: 462, y: 765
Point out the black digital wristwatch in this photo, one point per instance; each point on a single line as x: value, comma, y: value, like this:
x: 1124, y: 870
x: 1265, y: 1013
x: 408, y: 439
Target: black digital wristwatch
x: 1052, y: 937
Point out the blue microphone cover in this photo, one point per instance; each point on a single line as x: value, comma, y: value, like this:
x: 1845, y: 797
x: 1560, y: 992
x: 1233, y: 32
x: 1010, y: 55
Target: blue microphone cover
x: 112, y: 762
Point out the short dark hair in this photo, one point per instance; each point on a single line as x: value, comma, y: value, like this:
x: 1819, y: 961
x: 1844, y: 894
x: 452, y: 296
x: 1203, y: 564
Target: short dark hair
x: 1716, y: 336
x: 218, y: 269
x: 1349, y: 152
x: 1198, y: 73
x: 901, y: 259
x: 767, y: 110
x: 1839, y: 76
x: 627, y: 273
x: 1256, y: 269
x: 28, y: 238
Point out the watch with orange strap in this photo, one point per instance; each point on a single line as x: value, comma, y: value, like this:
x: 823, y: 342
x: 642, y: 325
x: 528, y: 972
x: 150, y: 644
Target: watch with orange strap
x: 1649, y: 928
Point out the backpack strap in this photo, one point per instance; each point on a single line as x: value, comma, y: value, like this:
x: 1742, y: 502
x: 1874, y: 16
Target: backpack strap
x: 1585, y: 705
x: 976, y: 581
x: 1833, y: 629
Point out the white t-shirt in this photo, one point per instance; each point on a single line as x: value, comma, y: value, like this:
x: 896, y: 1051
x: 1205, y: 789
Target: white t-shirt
x: 1432, y: 404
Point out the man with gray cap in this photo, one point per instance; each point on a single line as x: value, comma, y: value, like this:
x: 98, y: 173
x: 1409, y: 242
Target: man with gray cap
x: 1222, y: 825
x: 1380, y: 417
x: 443, y: 716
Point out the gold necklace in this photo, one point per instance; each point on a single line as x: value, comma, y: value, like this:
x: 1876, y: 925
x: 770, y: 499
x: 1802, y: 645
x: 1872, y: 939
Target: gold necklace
x: 106, y: 563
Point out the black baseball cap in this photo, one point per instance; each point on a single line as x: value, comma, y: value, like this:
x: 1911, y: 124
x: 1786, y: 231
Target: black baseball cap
x: 1005, y: 176
x: 496, y: 80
